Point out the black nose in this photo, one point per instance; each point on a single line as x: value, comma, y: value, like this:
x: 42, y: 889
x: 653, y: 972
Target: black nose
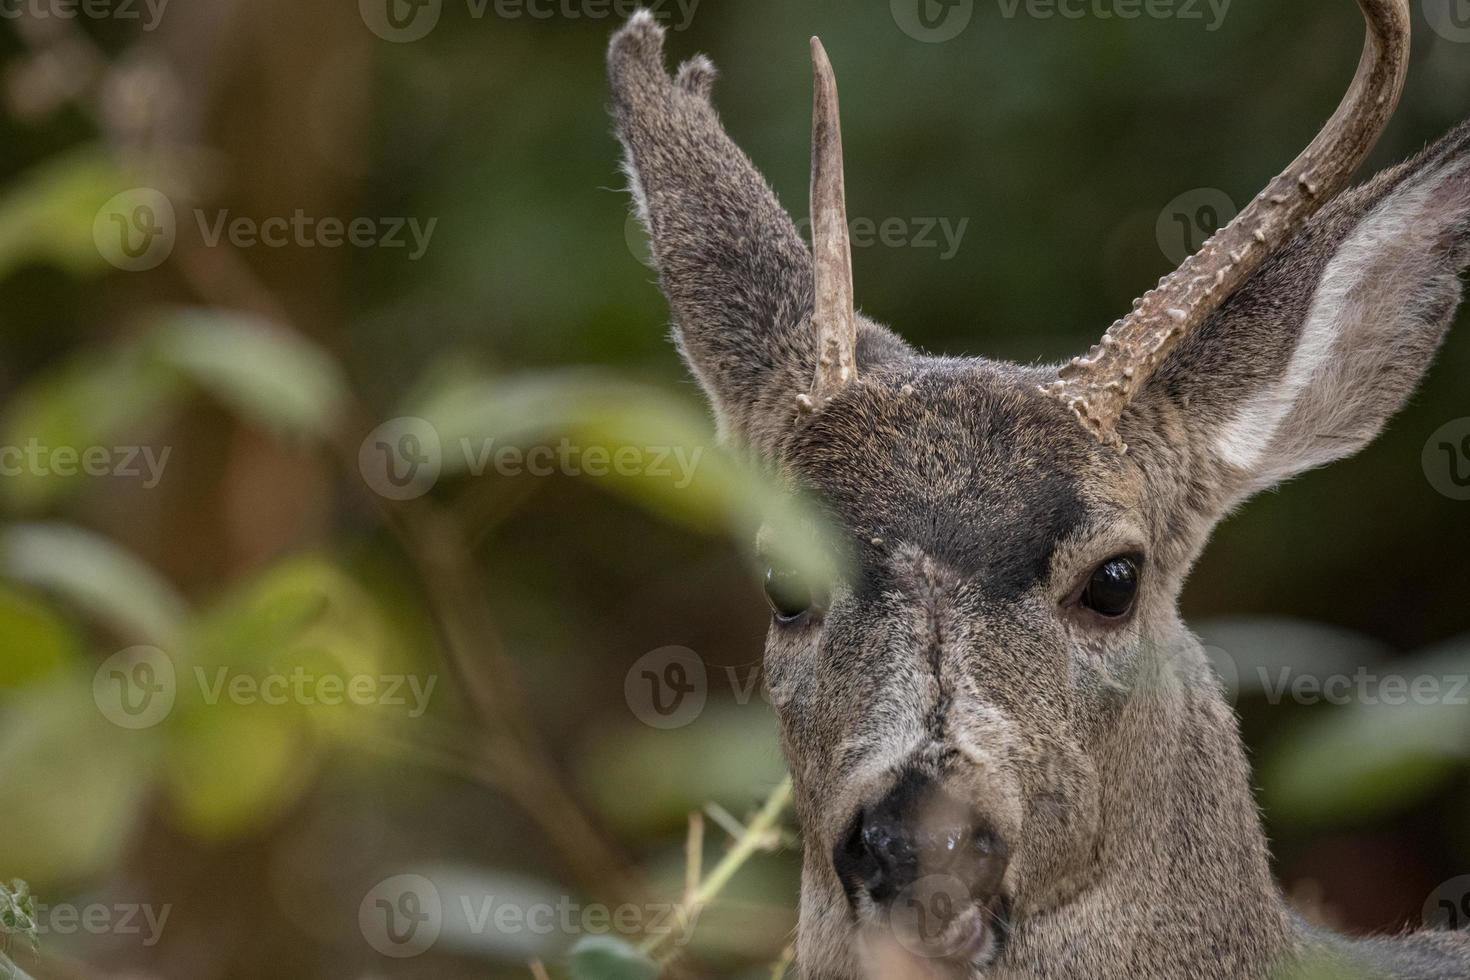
x: 916, y: 831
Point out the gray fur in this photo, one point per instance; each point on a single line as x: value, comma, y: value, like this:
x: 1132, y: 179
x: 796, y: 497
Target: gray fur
x: 974, y: 507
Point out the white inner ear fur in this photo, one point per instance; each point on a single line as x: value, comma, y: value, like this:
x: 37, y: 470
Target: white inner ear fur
x: 1366, y: 311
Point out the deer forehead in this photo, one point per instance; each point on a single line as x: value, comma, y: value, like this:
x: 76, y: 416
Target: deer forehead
x: 965, y: 464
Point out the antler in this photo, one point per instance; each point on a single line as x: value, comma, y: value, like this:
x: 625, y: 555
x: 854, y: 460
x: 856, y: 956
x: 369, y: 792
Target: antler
x: 832, y: 309
x: 1099, y: 386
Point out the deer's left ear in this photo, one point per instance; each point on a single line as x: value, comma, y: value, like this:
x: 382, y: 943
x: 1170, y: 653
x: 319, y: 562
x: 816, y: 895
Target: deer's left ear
x: 1306, y: 363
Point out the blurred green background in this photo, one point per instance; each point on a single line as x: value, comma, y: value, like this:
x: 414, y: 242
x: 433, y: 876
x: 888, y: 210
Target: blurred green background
x: 1035, y: 173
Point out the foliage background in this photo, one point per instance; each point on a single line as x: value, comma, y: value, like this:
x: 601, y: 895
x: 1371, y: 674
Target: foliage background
x: 1059, y: 141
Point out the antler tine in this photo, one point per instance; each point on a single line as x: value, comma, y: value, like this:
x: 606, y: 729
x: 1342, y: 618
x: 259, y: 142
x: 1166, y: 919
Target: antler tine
x: 1099, y: 386
x: 832, y: 309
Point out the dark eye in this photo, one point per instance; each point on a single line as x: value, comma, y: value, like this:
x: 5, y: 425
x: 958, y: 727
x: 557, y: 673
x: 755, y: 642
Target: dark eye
x: 1113, y: 587
x: 787, y: 592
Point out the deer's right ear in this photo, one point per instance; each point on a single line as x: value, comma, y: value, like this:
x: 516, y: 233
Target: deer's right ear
x: 734, y: 268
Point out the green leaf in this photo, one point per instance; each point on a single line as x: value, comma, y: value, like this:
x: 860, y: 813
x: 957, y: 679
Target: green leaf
x: 85, y: 406
x: 96, y: 575
x: 72, y: 785
x: 275, y: 377
x: 35, y: 642
x: 673, y: 468
x: 233, y: 769
x: 609, y: 958
x: 49, y: 213
x: 1380, y: 753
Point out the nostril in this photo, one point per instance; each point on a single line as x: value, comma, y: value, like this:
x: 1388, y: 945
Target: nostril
x: 855, y: 865
x: 913, y: 834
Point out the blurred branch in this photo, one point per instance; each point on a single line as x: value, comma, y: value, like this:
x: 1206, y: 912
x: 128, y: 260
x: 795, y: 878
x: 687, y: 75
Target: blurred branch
x: 763, y: 833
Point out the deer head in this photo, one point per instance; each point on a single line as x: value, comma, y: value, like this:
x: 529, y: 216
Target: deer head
x: 1011, y: 757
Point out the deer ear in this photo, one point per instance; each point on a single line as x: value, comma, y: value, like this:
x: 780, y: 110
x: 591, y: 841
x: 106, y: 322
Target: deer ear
x: 1306, y: 363
x: 736, y: 272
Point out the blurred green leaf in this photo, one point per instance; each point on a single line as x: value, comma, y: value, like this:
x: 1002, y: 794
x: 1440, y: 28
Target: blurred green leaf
x: 609, y: 958
x: 642, y: 778
x: 86, y: 405
x: 48, y: 214
x: 234, y: 768
x: 1375, y: 756
x: 71, y: 789
x: 654, y: 449
x: 35, y: 642
x: 96, y: 575
x: 275, y: 377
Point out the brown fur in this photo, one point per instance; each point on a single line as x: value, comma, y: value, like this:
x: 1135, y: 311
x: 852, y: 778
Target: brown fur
x: 973, y: 507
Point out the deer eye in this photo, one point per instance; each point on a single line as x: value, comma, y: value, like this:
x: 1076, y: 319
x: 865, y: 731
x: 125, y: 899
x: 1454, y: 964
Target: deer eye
x: 1113, y: 587
x: 788, y: 593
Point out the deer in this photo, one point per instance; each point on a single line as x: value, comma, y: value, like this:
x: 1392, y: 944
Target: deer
x: 1010, y: 757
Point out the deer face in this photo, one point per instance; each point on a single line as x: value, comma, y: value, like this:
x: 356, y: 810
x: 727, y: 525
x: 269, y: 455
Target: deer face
x: 977, y: 709
x: 941, y: 702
